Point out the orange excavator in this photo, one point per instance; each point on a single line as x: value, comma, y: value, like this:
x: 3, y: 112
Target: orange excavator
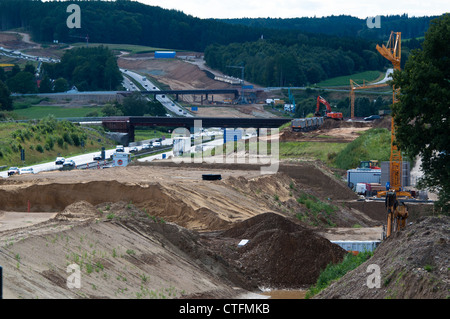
x: 328, y: 113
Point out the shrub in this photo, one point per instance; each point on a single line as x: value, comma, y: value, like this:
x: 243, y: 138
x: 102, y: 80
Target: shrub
x: 39, y: 148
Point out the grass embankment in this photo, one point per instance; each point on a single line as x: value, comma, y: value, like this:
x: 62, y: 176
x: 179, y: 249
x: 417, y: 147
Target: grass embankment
x: 316, y: 211
x: 44, y: 140
x: 311, y: 150
x: 335, y: 271
x: 373, y: 144
x: 368, y: 76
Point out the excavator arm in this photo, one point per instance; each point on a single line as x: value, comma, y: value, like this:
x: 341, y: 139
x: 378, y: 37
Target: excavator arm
x: 324, y: 102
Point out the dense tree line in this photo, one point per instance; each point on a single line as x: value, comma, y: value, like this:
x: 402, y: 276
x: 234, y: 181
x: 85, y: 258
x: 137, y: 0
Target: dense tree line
x: 16, y: 80
x: 343, y: 25
x: 119, y: 22
x: 88, y: 68
x: 136, y: 23
x: 270, y: 63
x: 291, y: 51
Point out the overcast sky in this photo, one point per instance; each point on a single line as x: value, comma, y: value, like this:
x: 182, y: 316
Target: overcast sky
x: 302, y: 8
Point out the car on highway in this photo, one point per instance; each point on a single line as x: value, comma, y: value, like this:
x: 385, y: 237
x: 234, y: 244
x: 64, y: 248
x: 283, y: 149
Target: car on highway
x: 146, y: 146
x: 13, y: 171
x: 372, y: 117
x: 60, y: 160
x: 133, y: 149
x: 69, y: 163
x: 28, y: 170
x: 120, y: 148
x: 156, y: 144
x: 97, y: 157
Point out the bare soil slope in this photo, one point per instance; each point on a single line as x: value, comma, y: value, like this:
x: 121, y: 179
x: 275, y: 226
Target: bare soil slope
x: 414, y: 264
x: 155, y: 231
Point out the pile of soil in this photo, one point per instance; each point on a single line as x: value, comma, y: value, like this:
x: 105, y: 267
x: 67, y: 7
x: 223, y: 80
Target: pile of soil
x: 81, y: 211
x: 287, y: 134
x: 384, y: 122
x: 413, y: 265
x: 329, y: 124
x: 280, y: 252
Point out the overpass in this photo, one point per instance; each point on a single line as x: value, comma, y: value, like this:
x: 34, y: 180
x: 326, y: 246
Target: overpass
x: 127, y: 124
x: 202, y: 92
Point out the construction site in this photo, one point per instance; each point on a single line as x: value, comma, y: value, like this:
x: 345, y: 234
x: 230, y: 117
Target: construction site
x: 159, y: 230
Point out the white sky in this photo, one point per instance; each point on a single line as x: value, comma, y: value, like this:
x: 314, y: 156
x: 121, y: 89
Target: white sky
x: 302, y: 8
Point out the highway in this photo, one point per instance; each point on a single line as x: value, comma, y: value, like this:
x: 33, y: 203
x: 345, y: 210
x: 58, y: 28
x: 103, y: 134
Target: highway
x: 148, y: 85
x: 81, y: 160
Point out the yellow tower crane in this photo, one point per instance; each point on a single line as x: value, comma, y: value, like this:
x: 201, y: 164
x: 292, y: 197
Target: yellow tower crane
x: 397, y: 214
x: 355, y: 86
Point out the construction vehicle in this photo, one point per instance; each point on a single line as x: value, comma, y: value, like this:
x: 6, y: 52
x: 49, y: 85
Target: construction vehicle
x: 372, y: 164
x: 329, y: 114
x: 397, y: 211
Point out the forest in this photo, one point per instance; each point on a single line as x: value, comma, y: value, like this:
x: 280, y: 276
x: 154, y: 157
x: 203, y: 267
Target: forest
x: 274, y: 52
x: 344, y: 26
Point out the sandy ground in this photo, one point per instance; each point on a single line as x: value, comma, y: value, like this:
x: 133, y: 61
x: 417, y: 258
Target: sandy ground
x: 153, y: 231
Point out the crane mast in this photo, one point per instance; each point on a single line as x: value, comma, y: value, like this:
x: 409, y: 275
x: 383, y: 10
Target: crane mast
x: 392, y: 52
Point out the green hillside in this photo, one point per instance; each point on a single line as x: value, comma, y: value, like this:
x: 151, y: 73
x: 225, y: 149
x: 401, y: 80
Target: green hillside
x: 45, y: 140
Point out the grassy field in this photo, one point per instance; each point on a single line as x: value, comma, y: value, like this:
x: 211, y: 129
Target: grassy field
x: 38, y: 112
x: 148, y: 134
x: 368, y: 76
x: 129, y: 48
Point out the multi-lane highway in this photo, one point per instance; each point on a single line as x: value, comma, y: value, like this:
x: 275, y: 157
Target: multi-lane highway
x: 170, y: 105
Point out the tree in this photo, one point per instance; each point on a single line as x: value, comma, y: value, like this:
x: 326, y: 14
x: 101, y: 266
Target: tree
x: 134, y: 105
x: 46, y: 85
x: 60, y: 85
x: 5, y: 98
x: 422, y: 115
x: 22, y: 82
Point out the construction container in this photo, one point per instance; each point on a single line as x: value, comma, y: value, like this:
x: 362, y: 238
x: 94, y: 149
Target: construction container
x: 362, y: 175
x: 165, y: 54
x: 357, y: 246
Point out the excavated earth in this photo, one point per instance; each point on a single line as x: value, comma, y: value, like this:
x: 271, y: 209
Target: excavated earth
x: 158, y: 230
x: 413, y: 264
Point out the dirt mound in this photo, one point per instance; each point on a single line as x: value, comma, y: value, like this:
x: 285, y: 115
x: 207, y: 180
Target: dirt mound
x: 279, y: 253
x: 81, y: 210
x: 329, y: 124
x: 287, y: 134
x: 384, y: 122
x: 413, y: 264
